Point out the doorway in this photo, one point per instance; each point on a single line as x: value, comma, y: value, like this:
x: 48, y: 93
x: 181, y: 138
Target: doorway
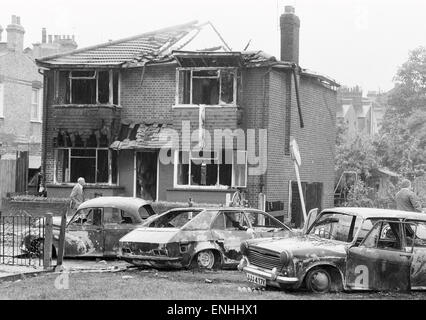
x: 146, y: 175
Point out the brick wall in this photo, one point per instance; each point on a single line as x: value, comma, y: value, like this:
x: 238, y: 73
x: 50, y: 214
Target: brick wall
x: 255, y: 93
x: 153, y: 100
x: 316, y: 140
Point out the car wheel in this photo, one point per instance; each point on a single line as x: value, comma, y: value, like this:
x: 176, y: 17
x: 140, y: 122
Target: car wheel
x: 319, y: 280
x: 205, y: 259
x: 36, y: 247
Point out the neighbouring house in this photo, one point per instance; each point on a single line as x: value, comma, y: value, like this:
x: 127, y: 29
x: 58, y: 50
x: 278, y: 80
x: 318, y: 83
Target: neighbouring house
x: 109, y: 107
x: 21, y: 92
x: 361, y: 115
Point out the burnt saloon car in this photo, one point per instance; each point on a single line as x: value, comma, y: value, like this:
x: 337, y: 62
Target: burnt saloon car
x: 344, y: 248
x: 96, y: 227
x: 197, y: 237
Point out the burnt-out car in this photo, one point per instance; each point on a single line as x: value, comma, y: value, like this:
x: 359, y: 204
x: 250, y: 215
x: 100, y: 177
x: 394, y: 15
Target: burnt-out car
x: 96, y: 227
x: 197, y: 237
x: 344, y: 249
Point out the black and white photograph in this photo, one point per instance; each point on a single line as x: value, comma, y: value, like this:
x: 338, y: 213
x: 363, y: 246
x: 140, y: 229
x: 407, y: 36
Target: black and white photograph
x: 213, y: 154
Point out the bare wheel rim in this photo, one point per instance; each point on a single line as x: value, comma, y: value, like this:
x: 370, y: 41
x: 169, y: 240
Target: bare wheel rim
x: 319, y: 281
x: 36, y: 247
x: 205, y: 259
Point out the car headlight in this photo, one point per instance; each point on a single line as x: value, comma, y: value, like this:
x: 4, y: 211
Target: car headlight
x: 243, y: 263
x: 244, y: 248
x: 285, y: 257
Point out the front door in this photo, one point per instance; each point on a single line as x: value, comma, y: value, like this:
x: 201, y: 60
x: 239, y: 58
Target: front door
x: 146, y: 175
x: 84, y: 234
x: 381, y: 261
x: 229, y: 229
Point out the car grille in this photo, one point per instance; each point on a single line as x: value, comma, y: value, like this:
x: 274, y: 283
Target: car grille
x: 264, y: 259
x: 146, y: 249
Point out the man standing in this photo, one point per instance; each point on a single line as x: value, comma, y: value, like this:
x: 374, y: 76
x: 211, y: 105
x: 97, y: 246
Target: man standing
x: 77, y: 195
x: 406, y: 199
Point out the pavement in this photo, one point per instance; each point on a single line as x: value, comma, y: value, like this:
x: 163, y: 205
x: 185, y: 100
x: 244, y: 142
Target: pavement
x: 15, y: 272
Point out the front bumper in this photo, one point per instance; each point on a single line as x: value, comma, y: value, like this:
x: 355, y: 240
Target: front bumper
x: 271, y: 279
x: 153, y: 261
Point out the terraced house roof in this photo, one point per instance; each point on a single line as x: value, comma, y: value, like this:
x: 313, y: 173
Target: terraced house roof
x: 123, y: 50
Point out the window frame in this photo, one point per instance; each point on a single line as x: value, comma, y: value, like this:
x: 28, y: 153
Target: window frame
x: 36, y: 105
x: 403, y: 237
x: 178, y: 104
x: 217, y: 186
x: 1, y: 100
x: 68, y: 175
x: 96, y: 78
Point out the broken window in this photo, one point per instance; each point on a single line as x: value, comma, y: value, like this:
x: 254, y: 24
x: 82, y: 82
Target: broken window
x: 207, y: 86
x: 96, y: 165
x: 385, y: 235
x: 93, y: 87
x: 211, y: 169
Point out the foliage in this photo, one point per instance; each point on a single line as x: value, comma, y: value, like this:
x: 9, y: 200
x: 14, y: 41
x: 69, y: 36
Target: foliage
x: 357, y: 155
x: 358, y: 195
x: 31, y: 198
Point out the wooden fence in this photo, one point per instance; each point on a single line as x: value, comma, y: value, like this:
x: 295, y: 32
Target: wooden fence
x: 7, y: 178
x: 14, y: 175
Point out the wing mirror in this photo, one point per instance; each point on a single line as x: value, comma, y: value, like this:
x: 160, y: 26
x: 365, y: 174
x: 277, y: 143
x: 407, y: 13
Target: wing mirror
x: 312, y: 215
x: 250, y: 232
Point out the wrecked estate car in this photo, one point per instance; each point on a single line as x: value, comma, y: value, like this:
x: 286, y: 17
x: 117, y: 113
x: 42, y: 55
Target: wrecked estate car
x: 197, y: 237
x: 344, y: 248
x: 96, y: 227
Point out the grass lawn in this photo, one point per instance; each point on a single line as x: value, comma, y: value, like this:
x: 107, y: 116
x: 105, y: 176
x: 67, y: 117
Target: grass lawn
x: 150, y: 284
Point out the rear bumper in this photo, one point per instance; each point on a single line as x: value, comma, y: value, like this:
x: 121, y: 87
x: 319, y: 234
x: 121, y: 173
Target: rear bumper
x: 271, y: 279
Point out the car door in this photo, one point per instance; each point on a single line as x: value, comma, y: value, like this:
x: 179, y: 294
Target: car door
x: 264, y: 225
x: 117, y: 223
x: 84, y: 233
x: 229, y: 229
x: 416, y: 238
x: 381, y: 261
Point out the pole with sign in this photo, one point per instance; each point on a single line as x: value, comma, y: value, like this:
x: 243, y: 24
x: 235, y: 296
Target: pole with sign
x: 295, y: 155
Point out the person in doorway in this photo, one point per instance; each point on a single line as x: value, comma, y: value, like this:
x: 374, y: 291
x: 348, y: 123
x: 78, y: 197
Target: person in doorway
x: 406, y: 199
x: 77, y: 194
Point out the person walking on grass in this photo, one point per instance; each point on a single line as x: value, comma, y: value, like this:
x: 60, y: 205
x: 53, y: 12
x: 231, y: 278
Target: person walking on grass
x: 406, y: 199
x: 77, y: 194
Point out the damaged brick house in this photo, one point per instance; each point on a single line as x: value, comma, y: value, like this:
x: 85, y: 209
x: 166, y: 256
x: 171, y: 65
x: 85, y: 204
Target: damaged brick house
x: 107, y: 106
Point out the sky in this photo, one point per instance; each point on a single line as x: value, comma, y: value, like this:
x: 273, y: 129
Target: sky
x: 356, y: 42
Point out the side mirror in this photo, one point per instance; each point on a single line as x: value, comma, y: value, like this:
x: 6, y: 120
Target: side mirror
x: 312, y: 215
x: 250, y: 232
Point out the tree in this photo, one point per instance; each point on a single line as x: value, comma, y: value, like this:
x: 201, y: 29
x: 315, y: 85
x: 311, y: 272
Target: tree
x: 409, y: 93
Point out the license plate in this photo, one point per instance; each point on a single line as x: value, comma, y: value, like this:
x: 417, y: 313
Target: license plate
x: 257, y: 280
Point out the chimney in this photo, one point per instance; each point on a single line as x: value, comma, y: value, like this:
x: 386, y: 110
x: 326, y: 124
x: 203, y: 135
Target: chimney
x: 290, y: 25
x: 15, y: 35
x: 43, y: 35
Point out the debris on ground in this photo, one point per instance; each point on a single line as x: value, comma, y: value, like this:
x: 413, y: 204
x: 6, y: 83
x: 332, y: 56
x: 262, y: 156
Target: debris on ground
x: 249, y: 289
x: 102, y: 262
x: 208, y: 281
x: 126, y: 277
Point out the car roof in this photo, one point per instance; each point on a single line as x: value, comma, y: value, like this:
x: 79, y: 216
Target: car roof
x: 367, y: 213
x: 124, y: 203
